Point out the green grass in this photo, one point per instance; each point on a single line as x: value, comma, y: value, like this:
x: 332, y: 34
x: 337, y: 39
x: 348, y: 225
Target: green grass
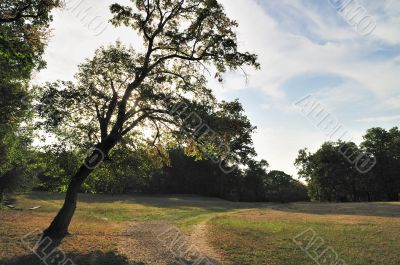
x: 266, y: 236
x: 244, y: 233
x: 98, y: 222
x: 185, y: 210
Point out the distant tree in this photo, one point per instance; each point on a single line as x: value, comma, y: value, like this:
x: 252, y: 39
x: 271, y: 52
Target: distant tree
x: 262, y: 185
x: 385, y: 177
x: 53, y: 166
x: 333, y: 172
x: 10, y: 181
x: 330, y: 176
x: 281, y: 187
x: 127, y: 169
x: 254, y: 181
x: 14, y: 137
x: 120, y: 91
x: 14, y: 152
x: 185, y: 174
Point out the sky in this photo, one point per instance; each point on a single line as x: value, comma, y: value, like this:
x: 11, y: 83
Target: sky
x: 345, y: 56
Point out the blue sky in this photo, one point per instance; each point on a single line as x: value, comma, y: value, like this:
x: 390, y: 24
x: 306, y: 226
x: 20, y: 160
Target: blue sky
x: 304, y: 46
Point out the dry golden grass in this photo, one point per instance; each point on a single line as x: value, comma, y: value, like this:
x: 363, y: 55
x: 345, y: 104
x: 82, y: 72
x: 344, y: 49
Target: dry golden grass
x: 242, y: 233
x: 99, y: 225
x: 361, y: 234
x: 88, y: 235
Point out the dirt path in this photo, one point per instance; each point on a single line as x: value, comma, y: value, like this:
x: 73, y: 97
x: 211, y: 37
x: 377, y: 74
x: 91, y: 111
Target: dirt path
x: 160, y: 243
x: 200, y: 237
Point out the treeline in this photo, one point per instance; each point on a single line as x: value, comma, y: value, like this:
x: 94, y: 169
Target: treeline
x: 141, y: 170
x: 24, y: 31
x: 336, y: 172
x: 345, y: 172
x: 252, y: 184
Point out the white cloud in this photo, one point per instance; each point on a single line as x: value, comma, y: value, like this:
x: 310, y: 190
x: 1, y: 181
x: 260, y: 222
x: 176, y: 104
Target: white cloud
x: 76, y: 34
x: 393, y: 102
x: 285, y: 55
x: 346, y: 93
x: 380, y: 119
x: 387, y: 14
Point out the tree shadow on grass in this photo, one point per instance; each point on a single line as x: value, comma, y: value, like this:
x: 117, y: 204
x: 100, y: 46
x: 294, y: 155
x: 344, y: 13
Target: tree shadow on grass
x: 168, y: 201
x: 176, y: 202
x: 44, y: 251
x: 182, y: 202
x: 375, y: 209
x: 92, y: 258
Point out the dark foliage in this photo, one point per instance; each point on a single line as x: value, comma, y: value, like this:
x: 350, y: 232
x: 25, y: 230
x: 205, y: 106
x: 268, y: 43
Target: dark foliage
x: 142, y: 171
x: 335, y: 172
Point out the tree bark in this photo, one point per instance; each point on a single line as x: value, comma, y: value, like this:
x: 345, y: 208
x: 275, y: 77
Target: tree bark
x: 59, y: 226
x: 2, y: 188
x: 1, y: 195
x: 393, y: 196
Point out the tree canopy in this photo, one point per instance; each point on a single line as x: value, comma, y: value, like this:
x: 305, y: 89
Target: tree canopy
x: 122, y: 91
x: 332, y: 177
x: 23, y: 35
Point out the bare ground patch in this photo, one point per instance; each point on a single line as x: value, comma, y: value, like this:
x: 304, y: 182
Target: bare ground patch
x: 200, y: 238
x: 160, y: 243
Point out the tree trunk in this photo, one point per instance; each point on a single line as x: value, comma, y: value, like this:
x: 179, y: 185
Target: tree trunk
x: 3, y: 184
x: 1, y: 195
x: 393, y: 196
x: 59, y: 227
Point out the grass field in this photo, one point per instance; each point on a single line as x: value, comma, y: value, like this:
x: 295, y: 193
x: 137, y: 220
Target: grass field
x: 122, y: 230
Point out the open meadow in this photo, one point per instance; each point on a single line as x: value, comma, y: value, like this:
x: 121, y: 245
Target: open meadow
x: 124, y: 230
x: 276, y: 122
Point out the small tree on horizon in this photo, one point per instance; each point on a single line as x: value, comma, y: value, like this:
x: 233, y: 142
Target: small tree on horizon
x: 121, y: 92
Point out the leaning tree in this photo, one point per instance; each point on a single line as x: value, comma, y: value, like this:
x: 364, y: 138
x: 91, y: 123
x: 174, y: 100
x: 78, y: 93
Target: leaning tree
x: 121, y: 92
